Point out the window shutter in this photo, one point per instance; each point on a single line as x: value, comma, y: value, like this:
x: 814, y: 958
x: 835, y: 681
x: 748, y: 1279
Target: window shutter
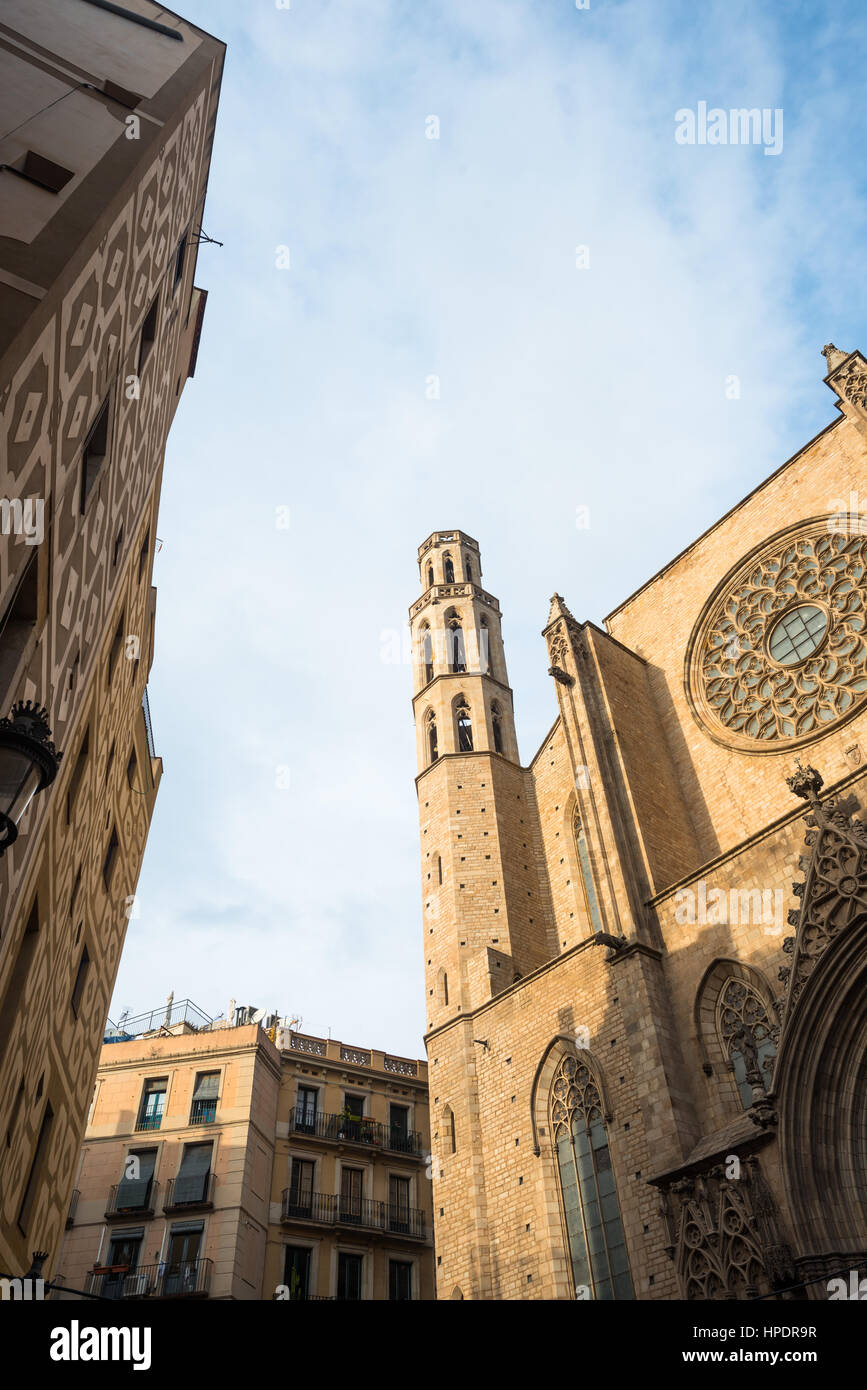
x: 207, y: 1086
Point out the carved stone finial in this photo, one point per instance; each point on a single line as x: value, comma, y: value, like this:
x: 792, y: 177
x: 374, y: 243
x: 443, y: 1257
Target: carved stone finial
x: 806, y: 782
x: 833, y: 356
x: 558, y: 609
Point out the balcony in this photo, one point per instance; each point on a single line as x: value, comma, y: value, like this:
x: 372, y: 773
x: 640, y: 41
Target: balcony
x: 326, y: 1209
x: 185, y: 1279
x: 195, y: 1192
x: 149, y: 1121
x: 340, y: 1130
x: 132, y: 1198
x: 203, y: 1112
x: 73, y: 1203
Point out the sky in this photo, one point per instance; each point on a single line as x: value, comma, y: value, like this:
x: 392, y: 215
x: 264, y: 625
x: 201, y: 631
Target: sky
x: 469, y: 279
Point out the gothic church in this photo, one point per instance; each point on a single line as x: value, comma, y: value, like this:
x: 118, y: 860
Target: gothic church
x: 646, y: 951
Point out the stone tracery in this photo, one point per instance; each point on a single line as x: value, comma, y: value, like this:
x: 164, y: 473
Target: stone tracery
x: 739, y: 686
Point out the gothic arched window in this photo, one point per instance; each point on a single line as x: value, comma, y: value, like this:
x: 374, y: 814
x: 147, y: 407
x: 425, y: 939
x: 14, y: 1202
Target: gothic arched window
x: 431, y: 725
x: 448, y: 569
x: 484, y: 644
x: 590, y: 897
x: 746, y: 1037
x: 427, y: 655
x: 469, y: 569
x: 430, y: 576
x: 455, y: 650
x: 465, y: 726
x: 497, y: 726
x: 448, y: 1126
x: 597, y: 1245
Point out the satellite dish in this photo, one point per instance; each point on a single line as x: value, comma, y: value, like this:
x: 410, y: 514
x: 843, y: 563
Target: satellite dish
x: 258, y: 1015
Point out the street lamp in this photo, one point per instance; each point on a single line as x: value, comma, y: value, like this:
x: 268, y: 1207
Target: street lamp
x: 28, y: 762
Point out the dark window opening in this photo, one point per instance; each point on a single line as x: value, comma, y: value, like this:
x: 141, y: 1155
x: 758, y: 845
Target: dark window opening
x: 35, y: 1173
x: 455, y: 643
x: 80, y: 981
x: 93, y: 454
x: 497, y: 726
x: 18, y: 622
x: 465, y: 730
x: 143, y: 555
x: 432, y: 739
x: 427, y: 651
x: 399, y: 1281
x: 118, y: 547
x: 296, y: 1272
x: 430, y: 576
x: 110, y: 856
x: 77, y: 774
x: 131, y: 768
x: 180, y: 257
x: 148, y: 333
x: 448, y: 569
x: 114, y: 650
x: 349, y: 1269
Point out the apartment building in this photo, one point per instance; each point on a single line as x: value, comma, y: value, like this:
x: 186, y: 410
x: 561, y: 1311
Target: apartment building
x: 109, y: 112
x: 351, y: 1213
x: 173, y: 1180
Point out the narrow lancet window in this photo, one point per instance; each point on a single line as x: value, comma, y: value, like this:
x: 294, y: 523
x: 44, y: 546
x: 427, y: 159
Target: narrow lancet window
x: 590, y: 897
x: 597, y: 1245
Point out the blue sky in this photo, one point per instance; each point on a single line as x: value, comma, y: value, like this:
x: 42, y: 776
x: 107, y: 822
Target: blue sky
x: 560, y: 387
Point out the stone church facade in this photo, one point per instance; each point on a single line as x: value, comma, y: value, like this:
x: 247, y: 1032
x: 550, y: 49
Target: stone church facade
x: 646, y: 951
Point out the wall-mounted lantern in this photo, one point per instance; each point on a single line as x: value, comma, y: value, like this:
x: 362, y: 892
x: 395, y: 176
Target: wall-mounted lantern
x: 28, y: 763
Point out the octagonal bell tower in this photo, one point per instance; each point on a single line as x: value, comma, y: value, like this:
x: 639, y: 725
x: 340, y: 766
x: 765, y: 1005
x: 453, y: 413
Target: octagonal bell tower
x: 485, y: 912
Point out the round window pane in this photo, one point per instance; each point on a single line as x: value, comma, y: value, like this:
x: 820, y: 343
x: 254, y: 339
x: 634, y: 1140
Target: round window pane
x: 797, y: 635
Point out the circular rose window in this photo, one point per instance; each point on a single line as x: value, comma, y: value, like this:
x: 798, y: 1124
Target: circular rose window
x: 780, y: 652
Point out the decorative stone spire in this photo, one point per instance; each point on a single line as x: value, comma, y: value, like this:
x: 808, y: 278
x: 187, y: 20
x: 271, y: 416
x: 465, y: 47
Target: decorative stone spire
x: 833, y: 356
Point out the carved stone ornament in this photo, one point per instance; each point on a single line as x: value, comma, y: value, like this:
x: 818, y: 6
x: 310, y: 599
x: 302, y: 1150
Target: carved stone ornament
x: 723, y: 1233
x: 833, y: 893
x: 851, y: 383
x: 780, y: 655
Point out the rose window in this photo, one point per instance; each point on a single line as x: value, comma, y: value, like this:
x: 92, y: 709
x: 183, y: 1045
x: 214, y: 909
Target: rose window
x: 781, y: 655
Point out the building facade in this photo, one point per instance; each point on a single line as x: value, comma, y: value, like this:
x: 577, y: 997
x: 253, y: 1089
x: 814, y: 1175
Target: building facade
x: 646, y: 951
x: 351, y: 1199
x: 110, y: 112
x: 171, y: 1189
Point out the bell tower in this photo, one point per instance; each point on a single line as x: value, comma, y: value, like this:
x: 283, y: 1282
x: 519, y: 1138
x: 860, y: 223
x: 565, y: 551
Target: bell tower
x: 487, y: 915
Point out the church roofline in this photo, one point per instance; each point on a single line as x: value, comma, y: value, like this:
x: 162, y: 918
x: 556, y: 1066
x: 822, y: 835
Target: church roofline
x: 731, y: 511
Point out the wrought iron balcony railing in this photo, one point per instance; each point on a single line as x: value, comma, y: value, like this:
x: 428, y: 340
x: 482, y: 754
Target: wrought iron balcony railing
x: 184, y: 1278
x: 195, y: 1190
x: 203, y: 1112
x: 132, y: 1197
x: 149, y: 1121
x: 355, y: 1130
x: 327, y: 1209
